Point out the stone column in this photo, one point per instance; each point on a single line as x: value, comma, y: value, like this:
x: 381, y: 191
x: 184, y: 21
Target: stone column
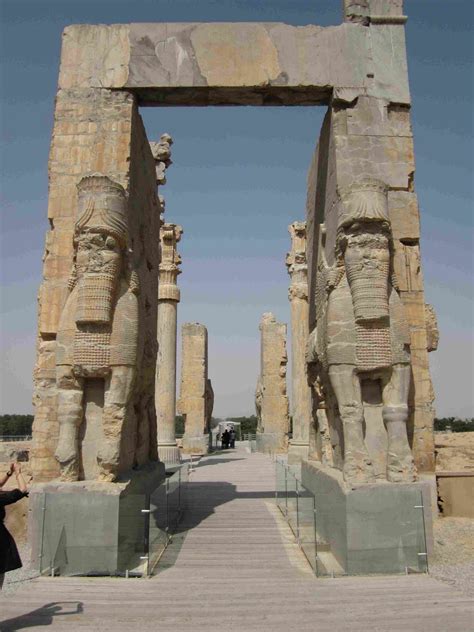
x: 271, y: 398
x: 165, y: 387
x: 193, y: 402
x: 298, y: 297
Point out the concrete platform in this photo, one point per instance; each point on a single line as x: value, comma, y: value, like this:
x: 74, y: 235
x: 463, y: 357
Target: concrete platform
x: 234, y: 566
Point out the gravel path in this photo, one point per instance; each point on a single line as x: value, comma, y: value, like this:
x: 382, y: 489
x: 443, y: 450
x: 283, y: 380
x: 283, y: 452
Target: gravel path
x: 453, y: 561
x: 15, y: 579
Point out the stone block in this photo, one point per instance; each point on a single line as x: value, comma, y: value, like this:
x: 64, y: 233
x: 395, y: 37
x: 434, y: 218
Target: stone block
x: 377, y: 117
x: 456, y: 493
x: 94, y: 56
x: 404, y: 215
x: 377, y: 528
x: 91, y: 528
x: 386, y: 158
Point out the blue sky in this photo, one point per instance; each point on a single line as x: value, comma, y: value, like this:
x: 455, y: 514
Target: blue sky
x: 238, y: 180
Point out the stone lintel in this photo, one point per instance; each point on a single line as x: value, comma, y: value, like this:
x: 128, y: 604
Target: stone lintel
x: 237, y: 63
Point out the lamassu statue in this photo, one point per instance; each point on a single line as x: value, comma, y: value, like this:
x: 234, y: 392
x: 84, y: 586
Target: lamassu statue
x: 362, y: 333
x: 98, y: 331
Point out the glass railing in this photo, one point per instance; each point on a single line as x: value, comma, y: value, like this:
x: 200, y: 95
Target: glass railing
x: 297, y: 505
x: 123, y: 536
x: 359, y: 536
x: 252, y: 440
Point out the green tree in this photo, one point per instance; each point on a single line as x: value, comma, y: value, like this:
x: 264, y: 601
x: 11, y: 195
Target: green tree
x: 248, y: 425
x: 454, y: 424
x: 15, y: 425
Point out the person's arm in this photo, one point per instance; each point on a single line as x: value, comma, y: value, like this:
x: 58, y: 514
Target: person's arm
x: 4, y: 477
x: 19, y: 477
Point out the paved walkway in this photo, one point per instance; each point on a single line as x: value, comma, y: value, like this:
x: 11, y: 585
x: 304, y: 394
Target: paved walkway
x: 237, y: 568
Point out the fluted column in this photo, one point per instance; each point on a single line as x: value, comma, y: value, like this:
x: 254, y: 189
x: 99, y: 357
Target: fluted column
x: 165, y: 387
x: 298, y: 297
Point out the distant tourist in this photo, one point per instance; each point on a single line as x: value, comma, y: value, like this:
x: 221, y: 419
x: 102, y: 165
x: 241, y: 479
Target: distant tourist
x: 9, y: 557
x: 232, y: 438
x: 225, y: 439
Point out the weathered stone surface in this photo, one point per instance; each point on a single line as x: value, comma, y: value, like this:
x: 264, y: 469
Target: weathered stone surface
x: 271, y: 398
x: 94, y: 56
x: 246, y: 63
x: 361, y: 336
x: 97, y: 131
x: 371, y: 137
x: 298, y: 296
x: 432, y: 331
x: 195, y: 395
x: 168, y: 299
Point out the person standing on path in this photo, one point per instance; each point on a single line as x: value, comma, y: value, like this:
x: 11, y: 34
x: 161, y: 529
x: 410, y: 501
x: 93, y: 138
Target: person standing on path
x: 9, y: 557
x: 225, y: 439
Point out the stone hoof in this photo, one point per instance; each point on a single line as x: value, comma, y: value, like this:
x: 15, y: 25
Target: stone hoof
x: 106, y: 476
x: 358, y: 470
x: 107, y: 460
x: 400, y: 469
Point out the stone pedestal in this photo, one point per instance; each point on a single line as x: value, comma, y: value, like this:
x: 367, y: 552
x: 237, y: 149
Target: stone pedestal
x: 193, y: 402
x: 165, y: 388
x: 271, y: 398
x: 301, y: 406
x: 378, y: 528
x: 92, y: 528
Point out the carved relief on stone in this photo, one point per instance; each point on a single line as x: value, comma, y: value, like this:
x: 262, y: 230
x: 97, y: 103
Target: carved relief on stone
x: 258, y: 402
x: 362, y: 332
x: 98, y: 330
x: 209, y: 403
x: 170, y: 235
x: 296, y: 262
x: 432, y: 331
x: 162, y: 154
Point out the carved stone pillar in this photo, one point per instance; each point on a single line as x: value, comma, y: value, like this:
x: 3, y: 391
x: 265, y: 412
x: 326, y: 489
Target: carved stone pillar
x: 298, y: 297
x: 195, y: 398
x: 271, y: 399
x: 165, y: 386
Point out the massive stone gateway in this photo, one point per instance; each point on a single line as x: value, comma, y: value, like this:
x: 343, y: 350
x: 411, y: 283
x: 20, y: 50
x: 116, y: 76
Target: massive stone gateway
x: 357, y: 69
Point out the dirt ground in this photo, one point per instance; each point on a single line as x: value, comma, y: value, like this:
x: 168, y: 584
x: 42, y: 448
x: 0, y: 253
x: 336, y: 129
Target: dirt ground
x: 454, y: 451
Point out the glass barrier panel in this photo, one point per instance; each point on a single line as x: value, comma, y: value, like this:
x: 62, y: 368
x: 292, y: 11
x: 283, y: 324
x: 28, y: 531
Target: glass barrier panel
x: 306, y: 525
x: 173, y: 501
x: 158, y: 524
x: 280, y: 487
x: 292, y: 501
x: 94, y: 534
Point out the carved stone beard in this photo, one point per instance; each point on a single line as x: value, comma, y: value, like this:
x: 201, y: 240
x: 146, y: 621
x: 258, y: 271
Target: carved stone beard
x: 96, y: 298
x: 367, y: 263
x: 97, y: 287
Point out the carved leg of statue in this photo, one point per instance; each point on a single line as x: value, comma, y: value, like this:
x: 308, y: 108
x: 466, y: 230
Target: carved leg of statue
x: 326, y: 447
x: 118, y: 389
x: 346, y: 385
x: 400, y: 465
x: 70, y: 417
x: 313, y: 444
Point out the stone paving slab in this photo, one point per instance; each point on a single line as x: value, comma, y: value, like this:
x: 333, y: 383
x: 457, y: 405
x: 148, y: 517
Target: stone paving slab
x: 236, y: 569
